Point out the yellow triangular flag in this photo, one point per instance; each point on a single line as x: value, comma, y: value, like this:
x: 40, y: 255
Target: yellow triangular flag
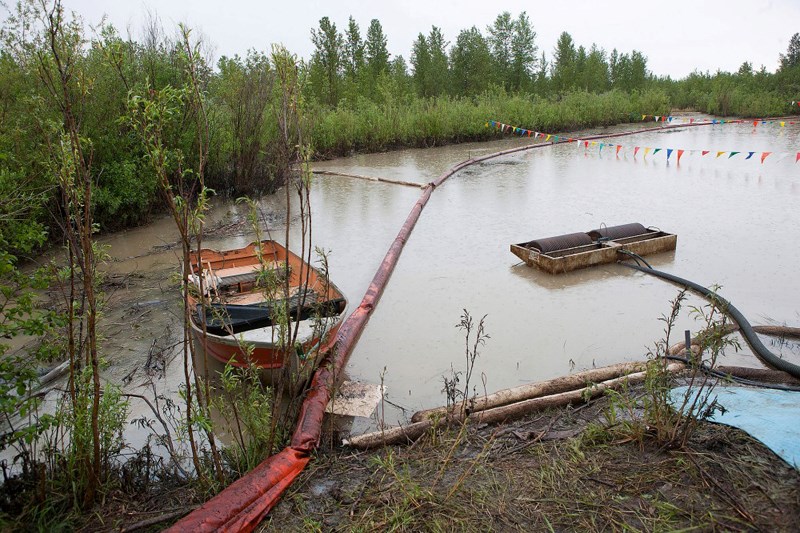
x: 720, y: 153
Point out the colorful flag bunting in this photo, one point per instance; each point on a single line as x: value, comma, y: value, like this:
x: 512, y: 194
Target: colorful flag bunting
x: 506, y: 128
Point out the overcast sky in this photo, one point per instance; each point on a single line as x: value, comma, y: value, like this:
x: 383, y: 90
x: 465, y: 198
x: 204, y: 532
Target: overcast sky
x: 677, y: 36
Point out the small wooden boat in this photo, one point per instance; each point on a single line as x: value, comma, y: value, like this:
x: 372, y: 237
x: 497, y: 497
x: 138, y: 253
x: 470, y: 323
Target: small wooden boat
x: 603, y: 245
x: 248, y: 309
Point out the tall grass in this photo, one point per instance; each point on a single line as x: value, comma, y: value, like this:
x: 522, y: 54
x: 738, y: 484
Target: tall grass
x: 420, y: 122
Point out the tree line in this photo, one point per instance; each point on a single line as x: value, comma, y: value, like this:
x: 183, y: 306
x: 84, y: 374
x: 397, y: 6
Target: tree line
x: 356, y: 97
x: 345, y: 67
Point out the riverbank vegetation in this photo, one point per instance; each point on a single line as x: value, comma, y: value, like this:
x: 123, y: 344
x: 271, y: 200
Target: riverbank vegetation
x: 98, y: 131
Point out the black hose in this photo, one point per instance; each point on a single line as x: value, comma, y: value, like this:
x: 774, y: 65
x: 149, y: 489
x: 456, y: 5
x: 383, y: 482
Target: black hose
x: 743, y: 381
x: 759, y: 350
x: 636, y: 257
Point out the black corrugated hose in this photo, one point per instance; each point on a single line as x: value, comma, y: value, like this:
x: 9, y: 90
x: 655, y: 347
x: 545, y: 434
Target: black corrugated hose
x: 763, y: 354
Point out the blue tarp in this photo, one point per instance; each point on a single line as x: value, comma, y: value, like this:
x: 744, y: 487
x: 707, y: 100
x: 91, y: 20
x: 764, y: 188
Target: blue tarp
x: 771, y: 416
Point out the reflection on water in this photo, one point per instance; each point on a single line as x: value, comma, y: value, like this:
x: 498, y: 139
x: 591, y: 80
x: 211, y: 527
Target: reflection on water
x: 736, y: 223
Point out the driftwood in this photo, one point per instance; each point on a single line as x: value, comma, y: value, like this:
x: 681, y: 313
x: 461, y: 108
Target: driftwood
x: 520, y: 409
x: 772, y: 331
x: 764, y: 375
x: 370, y: 178
x: 535, y: 390
x: 500, y: 414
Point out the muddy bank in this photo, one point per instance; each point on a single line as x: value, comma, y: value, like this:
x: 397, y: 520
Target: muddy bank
x: 562, y: 470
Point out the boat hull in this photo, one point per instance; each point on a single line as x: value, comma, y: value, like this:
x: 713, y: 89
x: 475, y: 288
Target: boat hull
x: 269, y: 357
x: 233, y: 286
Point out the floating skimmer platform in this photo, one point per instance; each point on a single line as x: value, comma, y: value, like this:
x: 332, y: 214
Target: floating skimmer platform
x: 600, y: 246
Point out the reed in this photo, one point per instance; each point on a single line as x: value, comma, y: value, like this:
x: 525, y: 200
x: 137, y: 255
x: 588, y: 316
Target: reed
x: 366, y: 126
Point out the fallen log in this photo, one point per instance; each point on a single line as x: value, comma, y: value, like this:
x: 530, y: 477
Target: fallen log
x: 370, y: 178
x: 773, y: 331
x: 503, y: 413
x: 520, y: 409
x: 764, y: 375
x: 396, y: 435
x: 534, y: 390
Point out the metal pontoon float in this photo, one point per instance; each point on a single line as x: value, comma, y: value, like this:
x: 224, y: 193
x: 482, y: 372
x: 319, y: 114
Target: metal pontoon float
x: 564, y: 253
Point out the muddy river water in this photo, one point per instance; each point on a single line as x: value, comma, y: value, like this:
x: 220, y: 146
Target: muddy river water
x: 737, y: 223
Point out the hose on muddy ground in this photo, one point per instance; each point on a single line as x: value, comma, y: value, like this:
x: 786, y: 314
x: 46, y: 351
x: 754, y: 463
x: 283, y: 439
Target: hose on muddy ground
x: 763, y: 354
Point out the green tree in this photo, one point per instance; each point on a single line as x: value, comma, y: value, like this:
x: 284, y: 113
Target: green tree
x: 523, y: 53
x: 353, y: 51
x: 542, y: 81
x: 326, y: 62
x: 377, y: 56
x: 501, y: 35
x: 399, y: 83
x: 470, y: 62
x: 439, y: 73
x: 792, y: 57
x: 564, y: 65
x: 595, y: 71
x: 421, y: 64
x: 243, y: 89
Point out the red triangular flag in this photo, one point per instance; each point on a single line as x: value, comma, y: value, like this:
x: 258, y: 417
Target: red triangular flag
x: 680, y: 153
x: 619, y: 146
x: 764, y: 156
x: 796, y: 159
x: 704, y: 152
x: 635, y: 151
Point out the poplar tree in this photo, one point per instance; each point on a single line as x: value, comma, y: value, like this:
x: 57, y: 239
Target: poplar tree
x: 470, y: 62
x: 377, y: 56
x: 326, y: 62
x: 792, y: 57
x: 523, y: 53
x: 565, y: 59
